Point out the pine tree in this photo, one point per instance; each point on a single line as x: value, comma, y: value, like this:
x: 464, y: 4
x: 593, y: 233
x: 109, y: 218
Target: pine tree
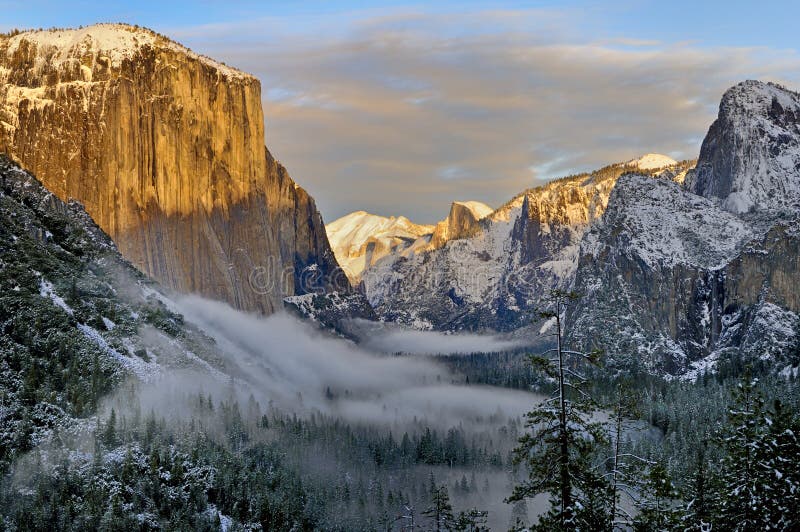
x: 740, y: 498
x: 623, y: 410
x: 780, y: 460
x: 472, y: 520
x: 110, y: 430
x: 519, y: 516
x: 697, y: 513
x: 656, y: 502
x: 561, y: 450
x: 440, y: 512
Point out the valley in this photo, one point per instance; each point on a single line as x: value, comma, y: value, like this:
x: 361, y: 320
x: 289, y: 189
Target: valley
x: 186, y: 345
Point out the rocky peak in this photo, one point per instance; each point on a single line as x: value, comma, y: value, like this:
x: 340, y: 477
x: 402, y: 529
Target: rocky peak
x: 165, y: 148
x: 461, y: 222
x: 750, y: 158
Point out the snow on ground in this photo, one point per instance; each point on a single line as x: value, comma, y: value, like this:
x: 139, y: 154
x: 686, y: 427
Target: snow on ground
x: 145, y: 371
x: 46, y: 290
x: 699, y: 367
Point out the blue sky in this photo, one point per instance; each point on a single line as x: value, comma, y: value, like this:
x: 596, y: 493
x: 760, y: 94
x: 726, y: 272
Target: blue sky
x: 401, y: 107
x: 709, y: 23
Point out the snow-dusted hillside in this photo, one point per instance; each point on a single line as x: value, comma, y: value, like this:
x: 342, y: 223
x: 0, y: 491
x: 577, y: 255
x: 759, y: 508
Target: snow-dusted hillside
x: 672, y: 283
x: 72, y: 307
x: 360, y: 239
x: 664, y: 225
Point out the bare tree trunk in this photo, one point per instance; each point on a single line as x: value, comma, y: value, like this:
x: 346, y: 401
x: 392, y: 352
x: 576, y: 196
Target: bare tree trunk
x: 566, y: 492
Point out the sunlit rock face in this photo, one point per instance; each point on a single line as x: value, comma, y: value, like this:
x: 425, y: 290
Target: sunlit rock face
x: 165, y: 148
x: 462, y: 222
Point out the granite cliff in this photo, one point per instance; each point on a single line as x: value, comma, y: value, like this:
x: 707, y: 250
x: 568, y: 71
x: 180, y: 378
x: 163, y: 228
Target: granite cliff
x: 165, y: 149
x: 685, y: 279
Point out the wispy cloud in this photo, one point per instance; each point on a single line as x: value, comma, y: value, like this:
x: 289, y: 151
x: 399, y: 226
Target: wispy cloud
x: 399, y: 113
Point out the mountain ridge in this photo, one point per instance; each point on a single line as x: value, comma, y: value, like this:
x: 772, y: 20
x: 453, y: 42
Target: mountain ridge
x: 495, y: 275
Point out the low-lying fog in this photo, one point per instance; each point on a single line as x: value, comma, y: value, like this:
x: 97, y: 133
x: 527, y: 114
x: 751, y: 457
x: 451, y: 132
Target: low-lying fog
x: 299, y: 368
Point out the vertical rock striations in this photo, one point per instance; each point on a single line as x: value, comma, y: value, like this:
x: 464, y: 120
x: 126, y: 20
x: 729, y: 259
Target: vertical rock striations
x: 165, y: 148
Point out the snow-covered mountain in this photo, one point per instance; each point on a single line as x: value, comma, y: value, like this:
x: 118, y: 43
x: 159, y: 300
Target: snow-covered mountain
x: 360, y: 239
x: 750, y: 159
x: 492, y: 272
x: 681, y: 269
x: 681, y: 280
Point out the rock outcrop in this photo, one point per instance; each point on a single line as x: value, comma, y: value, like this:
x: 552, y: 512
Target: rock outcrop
x: 750, y: 158
x: 165, y: 148
x: 462, y: 222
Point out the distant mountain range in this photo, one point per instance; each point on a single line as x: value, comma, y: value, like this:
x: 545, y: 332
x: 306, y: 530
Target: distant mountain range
x: 486, y: 269
x: 681, y: 265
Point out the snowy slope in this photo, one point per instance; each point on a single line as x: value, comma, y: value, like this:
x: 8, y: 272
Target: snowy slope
x: 71, y: 305
x: 664, y: 225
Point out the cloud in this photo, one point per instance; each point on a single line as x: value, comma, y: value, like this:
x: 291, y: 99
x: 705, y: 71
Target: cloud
x: 401, y: 113
x: 388, y: 339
